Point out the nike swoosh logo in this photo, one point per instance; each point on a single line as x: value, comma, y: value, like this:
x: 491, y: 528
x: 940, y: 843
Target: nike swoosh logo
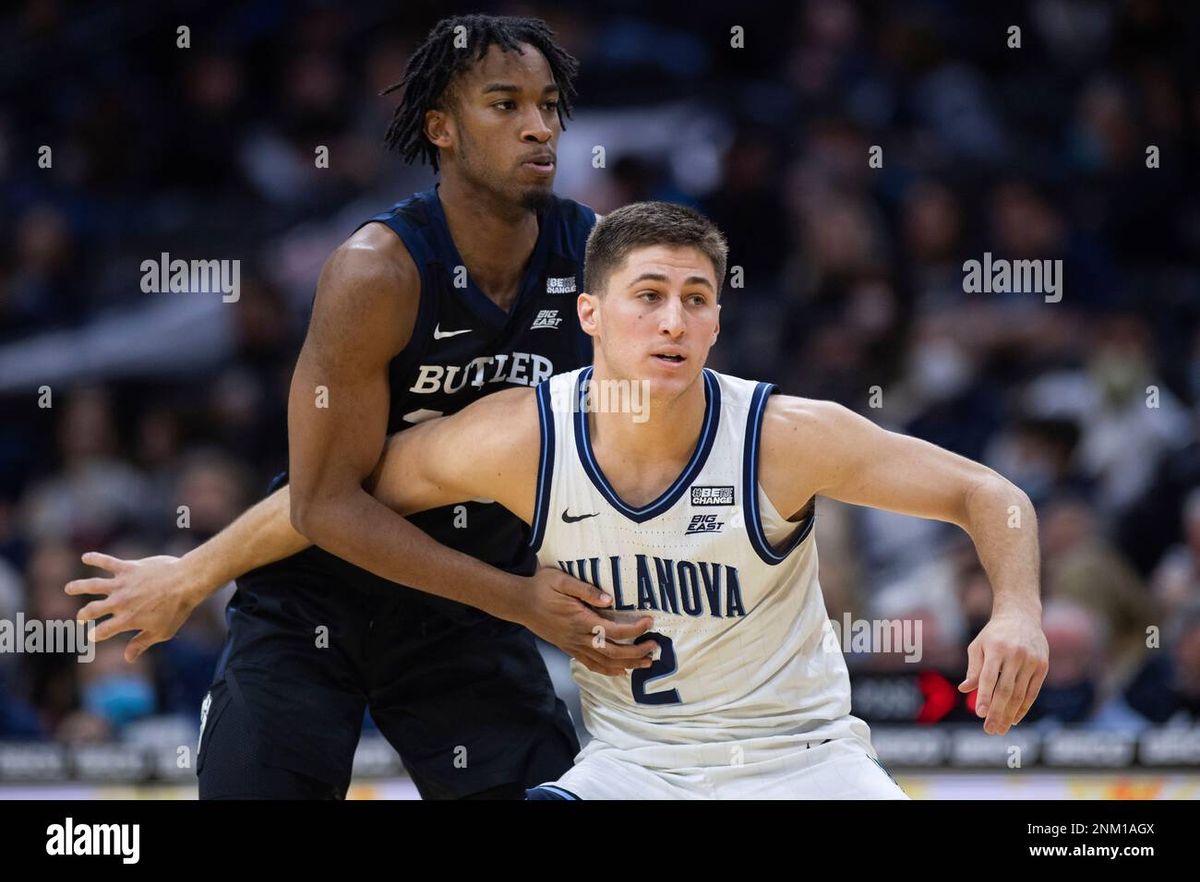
x: 439, y: 334
x: 567, y: 519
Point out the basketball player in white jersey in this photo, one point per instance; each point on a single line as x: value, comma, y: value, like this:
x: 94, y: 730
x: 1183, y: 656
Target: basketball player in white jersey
x: 698, y: 510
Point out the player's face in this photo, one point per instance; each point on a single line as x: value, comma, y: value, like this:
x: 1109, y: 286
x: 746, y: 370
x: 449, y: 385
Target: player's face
x: 504, y: 128
x: 657, y: 320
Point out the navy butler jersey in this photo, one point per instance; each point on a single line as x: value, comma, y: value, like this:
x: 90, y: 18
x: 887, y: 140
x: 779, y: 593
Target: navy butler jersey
x: 463, y: 346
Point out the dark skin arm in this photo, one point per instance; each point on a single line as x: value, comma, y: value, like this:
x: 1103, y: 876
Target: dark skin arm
x: 362, y: 317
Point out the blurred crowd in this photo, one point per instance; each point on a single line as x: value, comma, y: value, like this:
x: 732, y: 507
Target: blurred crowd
x: 851, y: 288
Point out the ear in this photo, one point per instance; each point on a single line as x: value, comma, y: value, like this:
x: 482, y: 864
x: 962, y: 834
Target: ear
x: 439, y: 129
x: 588, y: 308
x: 717, y: 329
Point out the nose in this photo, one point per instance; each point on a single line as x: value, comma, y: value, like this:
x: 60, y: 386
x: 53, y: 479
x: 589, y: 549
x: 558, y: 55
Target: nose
x: 534, y: 128
x: 671, y: 318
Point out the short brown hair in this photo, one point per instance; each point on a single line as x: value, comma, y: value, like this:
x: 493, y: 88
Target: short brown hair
x: 643, y: 225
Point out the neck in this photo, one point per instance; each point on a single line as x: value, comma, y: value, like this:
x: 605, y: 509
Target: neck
x: 659, y: 432
x: 495, y: 238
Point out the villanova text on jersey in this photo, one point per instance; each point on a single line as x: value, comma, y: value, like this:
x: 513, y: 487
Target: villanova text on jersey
x: 684, y: 587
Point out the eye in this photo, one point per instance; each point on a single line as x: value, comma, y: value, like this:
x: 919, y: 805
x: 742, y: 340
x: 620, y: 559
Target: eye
x: 650, y: 294
x: 698, y: 299
x: 507, y: 105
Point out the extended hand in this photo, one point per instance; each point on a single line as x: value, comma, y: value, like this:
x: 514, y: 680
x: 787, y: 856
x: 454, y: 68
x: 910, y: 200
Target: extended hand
x: 150, y: 595
x: 559, y: 610
x: 1007, y: 662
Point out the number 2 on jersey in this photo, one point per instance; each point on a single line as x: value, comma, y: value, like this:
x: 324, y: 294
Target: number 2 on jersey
x: 665, y: 666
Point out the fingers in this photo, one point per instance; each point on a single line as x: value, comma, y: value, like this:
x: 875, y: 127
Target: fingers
x: 987, y: 683
x: 605, y: 635
x: 627, y: 652
x: 112, y: 627
x: 138, y: 645
x: 589, y: 594
x: 95, y: 585
x: 105, y: 562
x: 626, y: 630
x: 96, y: 609
x: 998, y: 716
x: 1032, y: 690
x: 974, y: 666
x: 603, y: 656
x: 1008, y: 717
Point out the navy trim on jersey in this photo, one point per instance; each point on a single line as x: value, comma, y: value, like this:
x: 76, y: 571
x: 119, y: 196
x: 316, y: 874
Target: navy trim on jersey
x: 754, y: 527
x: 708, y: 434
x: 545, y: 465
x: 551, y: 791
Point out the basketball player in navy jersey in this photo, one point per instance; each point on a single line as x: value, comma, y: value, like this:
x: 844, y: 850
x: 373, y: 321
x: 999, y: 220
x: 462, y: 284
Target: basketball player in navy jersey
x: 700, y: 509
x: 455, y: 293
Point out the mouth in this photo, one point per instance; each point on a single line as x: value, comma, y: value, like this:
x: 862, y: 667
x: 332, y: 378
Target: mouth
x: 543, y: 165
x: 672, y: 358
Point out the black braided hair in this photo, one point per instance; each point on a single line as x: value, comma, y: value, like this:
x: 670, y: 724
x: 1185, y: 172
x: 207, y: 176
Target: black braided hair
x: 437, y: 61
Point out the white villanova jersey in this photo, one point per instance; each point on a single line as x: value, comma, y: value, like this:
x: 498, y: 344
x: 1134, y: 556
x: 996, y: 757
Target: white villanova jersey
x: 747, y: 650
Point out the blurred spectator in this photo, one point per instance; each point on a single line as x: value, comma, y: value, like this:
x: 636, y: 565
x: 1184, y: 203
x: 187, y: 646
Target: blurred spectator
x: 96, y: 491
x: 1176, y: 581
x: 1167, y: 689
x: 1073, y: 692
x: 112, y: 694
x: 43, y: 289
x: 1081, y: 565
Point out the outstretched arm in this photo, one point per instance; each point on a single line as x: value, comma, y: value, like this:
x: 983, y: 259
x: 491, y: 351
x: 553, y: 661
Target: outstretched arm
x: 844, y: 456
x: 487, y: 450
x: 155, y: 595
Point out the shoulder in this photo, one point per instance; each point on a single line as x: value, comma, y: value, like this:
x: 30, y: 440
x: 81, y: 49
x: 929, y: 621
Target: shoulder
x: 370, y: 284
x: 798, y: 436
x: 807, y: 439
x: 370, y: 255
x: 789, y: 417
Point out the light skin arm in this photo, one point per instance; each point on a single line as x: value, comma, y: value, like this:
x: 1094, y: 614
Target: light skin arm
x: 846, y: 457
x: 486, y: 451
x: 489, y: 450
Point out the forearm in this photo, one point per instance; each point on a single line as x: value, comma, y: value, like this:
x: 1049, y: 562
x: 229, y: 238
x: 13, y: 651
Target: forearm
x: 1003, y: 525
x: 360, y: 529
x: 261, y: 535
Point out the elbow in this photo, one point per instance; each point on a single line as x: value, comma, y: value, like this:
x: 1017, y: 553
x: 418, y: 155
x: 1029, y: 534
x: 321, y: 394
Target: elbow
x: 317, y: 516
x: 1012, y: 493
x: 994, y: 493
x: 298, y: 512
x: 303, y: 515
